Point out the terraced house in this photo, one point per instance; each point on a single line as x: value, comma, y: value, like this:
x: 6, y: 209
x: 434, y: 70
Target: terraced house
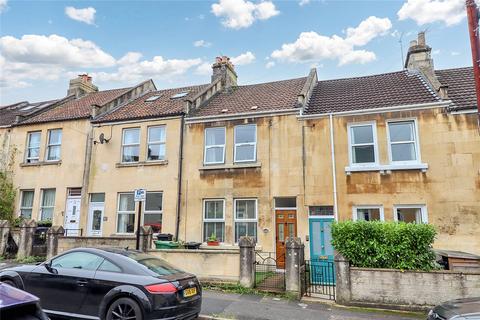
x: 267, y: 160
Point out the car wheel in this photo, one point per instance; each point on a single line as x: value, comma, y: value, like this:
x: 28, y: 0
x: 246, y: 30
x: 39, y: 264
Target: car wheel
x: 10, y: 283
x: 124, y: 309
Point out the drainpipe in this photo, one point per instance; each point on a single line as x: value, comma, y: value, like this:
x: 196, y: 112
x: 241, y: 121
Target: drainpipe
x: 85, y: 182
x: 334, y: 169
x: 180, y: 171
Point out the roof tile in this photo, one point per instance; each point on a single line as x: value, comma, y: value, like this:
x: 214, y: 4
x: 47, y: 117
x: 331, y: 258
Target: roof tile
x: 461, y: 87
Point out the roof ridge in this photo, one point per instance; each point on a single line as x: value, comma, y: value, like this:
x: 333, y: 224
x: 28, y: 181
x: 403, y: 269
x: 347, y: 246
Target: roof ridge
x: 362, y: 77
x: 450, y: 69
x: 270, y: 82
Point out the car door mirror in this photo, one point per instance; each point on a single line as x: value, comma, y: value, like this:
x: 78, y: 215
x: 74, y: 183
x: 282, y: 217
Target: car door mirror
x: 48, y: 266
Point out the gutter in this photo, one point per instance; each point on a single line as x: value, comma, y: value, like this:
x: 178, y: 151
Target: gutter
x: 114, y: 123
x: 334, y: 169
x: 242, y: 115
x: 180, y: 172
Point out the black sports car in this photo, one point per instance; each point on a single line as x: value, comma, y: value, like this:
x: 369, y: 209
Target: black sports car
x: 109, y: 284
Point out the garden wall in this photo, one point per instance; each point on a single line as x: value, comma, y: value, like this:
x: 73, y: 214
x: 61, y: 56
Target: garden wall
x: 67, y: 243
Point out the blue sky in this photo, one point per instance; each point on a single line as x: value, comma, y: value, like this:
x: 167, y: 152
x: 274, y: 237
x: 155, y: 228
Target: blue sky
x: 120, y: 43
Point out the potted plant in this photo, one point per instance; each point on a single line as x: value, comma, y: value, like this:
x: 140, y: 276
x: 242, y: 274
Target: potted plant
x: 212, y: 240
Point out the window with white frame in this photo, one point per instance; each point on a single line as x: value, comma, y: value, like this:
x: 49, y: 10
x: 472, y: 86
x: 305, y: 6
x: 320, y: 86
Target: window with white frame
x: 152, y: 214
x: 368, y: 213
x: 156, y: 143
x: 245, y: 218
x: 131, y: 145
x: 214, y: 145
x: 125, y: 213
x: 245, y: 143
x: 214, y: 219
x: 411, y: 213
x: 403, y: 144
x: 363, y: 144
x: 47, y: 205
x: 33, y: 147
x: 26, y: 204
x: 54, y: 144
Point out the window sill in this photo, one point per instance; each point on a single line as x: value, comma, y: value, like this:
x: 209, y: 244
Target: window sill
x: 387, y: 168
x: 231, y: 167
x: 141, y: 164
x: 41, y: 163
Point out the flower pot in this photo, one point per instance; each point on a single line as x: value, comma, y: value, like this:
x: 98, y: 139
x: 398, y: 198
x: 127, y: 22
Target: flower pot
x: 213, y: 243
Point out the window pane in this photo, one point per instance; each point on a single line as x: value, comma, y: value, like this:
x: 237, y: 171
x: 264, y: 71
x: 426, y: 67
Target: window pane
x: 363, y: 154
x: 26, y: 213
x: 403, y: 152
x: 362, y: 134
x: 156, y: 134
x: 126, y: 202
x: 53, y: 153
x: 245, y: 134
x: 216, y: 228
x: 48, y: 198
x: 321, y: 211
x: 370, y: 214
x: 97, y: 197
x: 34, y: 140
x: 55, y: 136
x: 78, y: 260
x: 401, y: 131
x: 245, y: 229
x: 214, y: 136
x: 47, y: 214
x: 126, y: 223
x: 156, y: 151
x: 214, y: 154
x: 130, y: 154
x: 285, y: 202
x: 109, y: 267
x: 131, y: 136
x: 413, y: 215
x: 97, y: 220
x: 243, y: 153
x: 245, y: 209
x: 154, y: 220
x: 213, y: 209
x: 27, y: 199
x: 153, y: 201
x: 33, y: 153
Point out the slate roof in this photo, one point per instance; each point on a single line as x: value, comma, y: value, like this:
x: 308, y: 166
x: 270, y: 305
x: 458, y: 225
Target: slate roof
x: 271, y: 96
x: 76, y: 109
x: 370, y: 92
x: 461, y: 87
x: 8, y: 113
x: 163, y: 106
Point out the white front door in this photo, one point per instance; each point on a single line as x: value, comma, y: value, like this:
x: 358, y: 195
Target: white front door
x: 95, y: 219
x: 72, y: 216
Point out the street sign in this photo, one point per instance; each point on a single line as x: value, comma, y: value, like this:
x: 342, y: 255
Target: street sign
x: 140, y: 194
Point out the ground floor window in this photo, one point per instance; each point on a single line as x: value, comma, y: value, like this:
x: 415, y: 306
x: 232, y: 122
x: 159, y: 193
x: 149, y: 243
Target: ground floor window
x: 48, y: 204
x: 411, y: 213
x: 245, y: 218
x: 214, y: 219
x: 153, y: 210
x: 368, y: 213
x: 26, y: 204
x: 125, y: 213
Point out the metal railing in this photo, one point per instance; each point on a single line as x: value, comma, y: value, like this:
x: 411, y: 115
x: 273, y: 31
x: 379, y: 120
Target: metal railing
x: 267, y: 275
x: 319, y: 279
x: 73, y: 232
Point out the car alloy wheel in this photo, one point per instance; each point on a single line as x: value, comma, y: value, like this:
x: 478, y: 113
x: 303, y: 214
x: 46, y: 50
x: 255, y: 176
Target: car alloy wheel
x: 124, y: 309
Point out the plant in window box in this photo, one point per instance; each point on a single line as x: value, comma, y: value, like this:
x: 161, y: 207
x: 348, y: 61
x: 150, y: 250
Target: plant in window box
x: 44, y: 223
x: 212, y: 240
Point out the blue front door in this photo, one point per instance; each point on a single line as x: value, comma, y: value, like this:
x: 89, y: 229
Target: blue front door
x: 321, y: 250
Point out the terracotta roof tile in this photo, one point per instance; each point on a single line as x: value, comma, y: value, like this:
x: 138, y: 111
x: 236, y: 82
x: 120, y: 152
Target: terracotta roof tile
x: 163, y: 106
x: 271, y: 96
x: 461, y: 87
x: 76, y: 109
x: 8, y: 114
x: 370, y: 92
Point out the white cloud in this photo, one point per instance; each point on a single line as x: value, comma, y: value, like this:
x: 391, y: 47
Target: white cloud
x: 130, y: 58
x: 204, y: 69
x: 202, y: 43
x: 3, y: 5
x: 311, y: 46
x: 243, y: 59
x: 239, y: 14
x: 422, y: 12
x: 303, y: 2
x: 86, y: 15
x: 455, y: 53
x: 270, y: 64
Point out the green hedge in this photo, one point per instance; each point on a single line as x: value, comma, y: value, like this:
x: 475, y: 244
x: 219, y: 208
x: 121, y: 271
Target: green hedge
x: 375, y: 244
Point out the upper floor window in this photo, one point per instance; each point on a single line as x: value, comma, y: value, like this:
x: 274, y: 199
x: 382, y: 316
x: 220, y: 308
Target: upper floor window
x: 26, y: 204
x: 33, y: 147
x: 47, y: 204
x: 131, y: 145
x: 410, y: 213
x: 402, y: 140
x: 245, y: 143
x: 156, y: 143
x: 362, y: 140
x: 54, y: 144
x: 214, y: 145
x: 368, y: 213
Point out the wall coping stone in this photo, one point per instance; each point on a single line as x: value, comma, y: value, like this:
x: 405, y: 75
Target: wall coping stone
x: 198, y: 251
x: 98, y: 238
x: 413, y: 271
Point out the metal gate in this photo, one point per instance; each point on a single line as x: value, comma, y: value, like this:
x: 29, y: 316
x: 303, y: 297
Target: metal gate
x: 319, y: 279
x: 267, y: 276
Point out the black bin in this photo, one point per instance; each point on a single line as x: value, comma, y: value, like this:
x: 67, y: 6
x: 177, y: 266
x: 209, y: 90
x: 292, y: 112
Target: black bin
x: 165, y: 237
x: 192, y: 245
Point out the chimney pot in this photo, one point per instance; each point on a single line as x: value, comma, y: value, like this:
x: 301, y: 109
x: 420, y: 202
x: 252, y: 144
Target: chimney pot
x: 413, y: 43
x: 421, y: 38
x: 81, y: 85
x: 224, y: 69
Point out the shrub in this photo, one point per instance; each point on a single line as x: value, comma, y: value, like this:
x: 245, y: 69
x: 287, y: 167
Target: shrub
x: 375, y: 244
x: 7, y: 197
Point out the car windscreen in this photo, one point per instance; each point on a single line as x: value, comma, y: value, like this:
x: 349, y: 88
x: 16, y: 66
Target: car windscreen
x: 154, y: 264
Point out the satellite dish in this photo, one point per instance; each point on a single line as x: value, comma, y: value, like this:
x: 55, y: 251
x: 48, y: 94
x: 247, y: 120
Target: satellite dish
x: 102, y: 138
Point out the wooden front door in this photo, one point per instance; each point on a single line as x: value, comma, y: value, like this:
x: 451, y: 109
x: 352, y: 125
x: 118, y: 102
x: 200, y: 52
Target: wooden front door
x: 286, y: 226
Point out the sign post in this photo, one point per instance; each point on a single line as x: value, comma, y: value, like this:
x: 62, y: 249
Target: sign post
x: 473, y: 25
x: 139, y: 196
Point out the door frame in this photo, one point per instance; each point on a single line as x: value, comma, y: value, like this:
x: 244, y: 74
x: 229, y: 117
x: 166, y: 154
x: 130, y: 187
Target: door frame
x: 316, y: 218
x: 91, y: 206
x: 66, y: 212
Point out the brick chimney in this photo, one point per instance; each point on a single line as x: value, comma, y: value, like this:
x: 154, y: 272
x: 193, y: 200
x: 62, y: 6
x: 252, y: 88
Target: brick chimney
x: 224, y: 69
x: 81, y: 86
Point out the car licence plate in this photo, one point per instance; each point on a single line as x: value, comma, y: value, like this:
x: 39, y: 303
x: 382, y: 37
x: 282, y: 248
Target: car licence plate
x: 189, y: 292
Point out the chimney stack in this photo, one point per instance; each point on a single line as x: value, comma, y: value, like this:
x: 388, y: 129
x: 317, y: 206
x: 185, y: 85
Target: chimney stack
x: 224, y: 69
x: 419, y: 54
x: 81, y: 86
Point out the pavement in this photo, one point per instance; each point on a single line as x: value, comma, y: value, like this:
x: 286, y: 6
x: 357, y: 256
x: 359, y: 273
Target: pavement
x: 220, y: 305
